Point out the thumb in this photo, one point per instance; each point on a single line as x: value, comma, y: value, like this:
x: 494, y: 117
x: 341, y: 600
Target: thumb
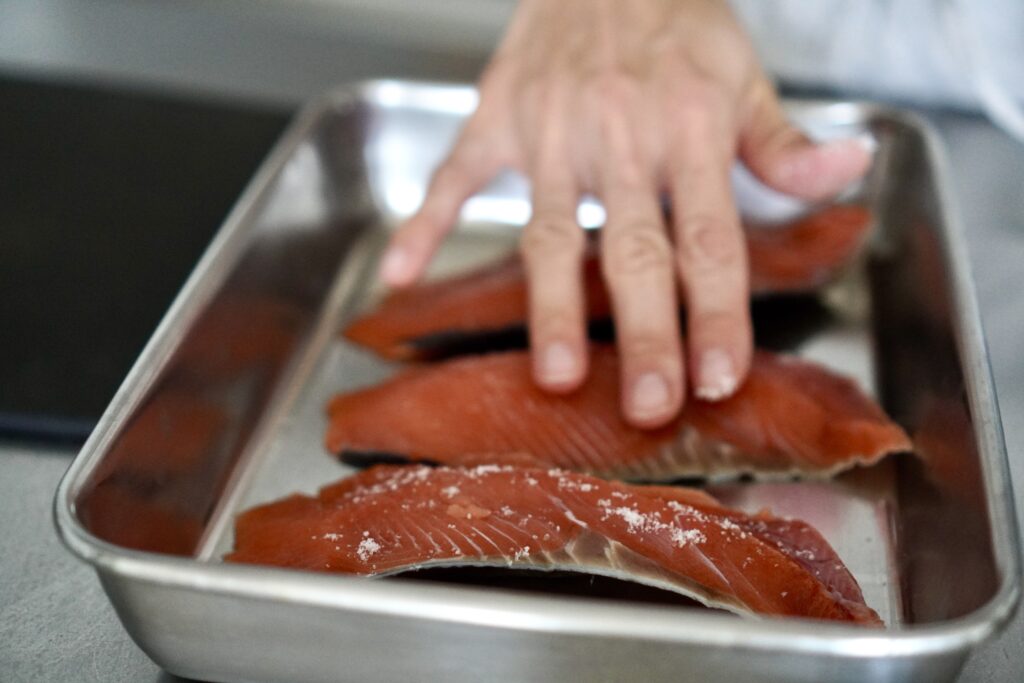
x: 787, y: 160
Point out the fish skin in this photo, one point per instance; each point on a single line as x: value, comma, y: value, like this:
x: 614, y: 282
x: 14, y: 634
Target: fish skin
x: 390, y: 519
x: 790, y: 417
x: 487, y: 308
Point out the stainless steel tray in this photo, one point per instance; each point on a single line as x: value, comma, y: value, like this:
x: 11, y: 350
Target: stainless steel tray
x: 224, y: 410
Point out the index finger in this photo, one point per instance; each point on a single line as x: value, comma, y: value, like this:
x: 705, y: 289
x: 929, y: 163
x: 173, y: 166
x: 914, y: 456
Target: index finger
x: 471, y: 163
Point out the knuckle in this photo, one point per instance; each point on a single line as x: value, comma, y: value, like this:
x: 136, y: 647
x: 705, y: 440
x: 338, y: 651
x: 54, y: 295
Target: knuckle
x: 700, y: 98
x: 710, y: 243
x: 453, y: 172
x: 551, y: 235
x: 473, y: 147
x: 559, y: 77
x: 472, y: 154
x: 703, y: 91
x: 496, y: 73
x: 760, y: 91
x: 614, y: 87
x: 482, y: 118
x: 635, y: 249
x: 534, y: 89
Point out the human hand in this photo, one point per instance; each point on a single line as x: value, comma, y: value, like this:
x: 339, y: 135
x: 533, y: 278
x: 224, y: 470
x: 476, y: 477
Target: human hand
x: 625, y: 100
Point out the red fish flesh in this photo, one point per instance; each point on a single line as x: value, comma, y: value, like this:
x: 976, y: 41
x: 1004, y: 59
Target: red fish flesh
x: 391, y: 519
x: 790, y: 417
x: 488, y: 306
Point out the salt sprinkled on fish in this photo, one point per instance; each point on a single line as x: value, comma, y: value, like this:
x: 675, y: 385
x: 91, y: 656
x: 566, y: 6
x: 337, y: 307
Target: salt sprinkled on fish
x: 679, y: 539
x: 367, y: 547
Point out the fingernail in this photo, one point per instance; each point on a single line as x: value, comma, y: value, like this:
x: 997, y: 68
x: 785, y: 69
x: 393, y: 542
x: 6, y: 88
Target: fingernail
x: 394, y: 264
x: 650, y: 395
x: 795, y: 170
x: 867, y: 142
x: 558, y: 364
x: 717, y: 376
x: 841, y: 147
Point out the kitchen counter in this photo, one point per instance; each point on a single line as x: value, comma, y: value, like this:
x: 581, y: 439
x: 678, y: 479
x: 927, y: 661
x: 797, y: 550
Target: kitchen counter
x: 56, y: 623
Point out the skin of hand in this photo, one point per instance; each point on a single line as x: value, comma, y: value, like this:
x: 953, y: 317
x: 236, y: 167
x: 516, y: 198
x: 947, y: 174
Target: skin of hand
x: 627, y: 100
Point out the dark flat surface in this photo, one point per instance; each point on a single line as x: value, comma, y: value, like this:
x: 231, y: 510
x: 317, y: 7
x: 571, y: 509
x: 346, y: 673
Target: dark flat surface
x: 107, y: 199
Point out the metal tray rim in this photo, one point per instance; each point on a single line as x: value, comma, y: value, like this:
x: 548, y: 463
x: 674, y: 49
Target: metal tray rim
x: 979, y: 383
x: 487, y: 607
x: 646, y: 621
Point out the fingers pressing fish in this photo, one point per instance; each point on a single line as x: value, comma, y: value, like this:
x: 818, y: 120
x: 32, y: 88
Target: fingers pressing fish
x: 791, y: 417
x: 486, y: 308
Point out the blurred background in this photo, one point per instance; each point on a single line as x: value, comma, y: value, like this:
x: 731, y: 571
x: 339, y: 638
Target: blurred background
x: 128, y: 129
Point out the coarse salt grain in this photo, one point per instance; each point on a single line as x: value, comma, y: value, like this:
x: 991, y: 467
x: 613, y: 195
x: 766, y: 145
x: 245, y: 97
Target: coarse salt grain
x: 367, y: 547
x: 574, y: 519
x: 682, y: 537
x: 634, y: 519
x: 573, y: 485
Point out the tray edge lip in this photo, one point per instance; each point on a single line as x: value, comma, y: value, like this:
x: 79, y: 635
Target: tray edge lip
x: 208, y: 273
x: 979, y: 381
x: 942, y: 637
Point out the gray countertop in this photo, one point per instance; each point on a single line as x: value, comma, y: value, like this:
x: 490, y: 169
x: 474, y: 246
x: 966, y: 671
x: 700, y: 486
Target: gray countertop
x: 56, y: 623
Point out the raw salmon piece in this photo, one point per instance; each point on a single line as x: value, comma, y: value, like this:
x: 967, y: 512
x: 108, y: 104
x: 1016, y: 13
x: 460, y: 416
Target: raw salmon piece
x: 487, y: 308
x: 391, y: 519
x: 790, y: 417
x: 807, y: 253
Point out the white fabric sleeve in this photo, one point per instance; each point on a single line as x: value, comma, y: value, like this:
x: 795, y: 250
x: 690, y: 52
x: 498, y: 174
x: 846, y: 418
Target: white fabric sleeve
x: 967, y: 53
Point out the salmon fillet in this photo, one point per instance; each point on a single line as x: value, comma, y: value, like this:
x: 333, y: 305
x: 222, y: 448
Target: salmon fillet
x: 391, y: 519
x: 487, y: 308
x: 790, y: 417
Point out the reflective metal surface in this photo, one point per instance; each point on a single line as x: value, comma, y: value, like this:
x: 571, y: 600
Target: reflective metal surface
x: 224, y: 410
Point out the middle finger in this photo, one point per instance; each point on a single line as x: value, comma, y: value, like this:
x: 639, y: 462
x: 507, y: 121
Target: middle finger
x: 637, y: 263
x: 552, y: 250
